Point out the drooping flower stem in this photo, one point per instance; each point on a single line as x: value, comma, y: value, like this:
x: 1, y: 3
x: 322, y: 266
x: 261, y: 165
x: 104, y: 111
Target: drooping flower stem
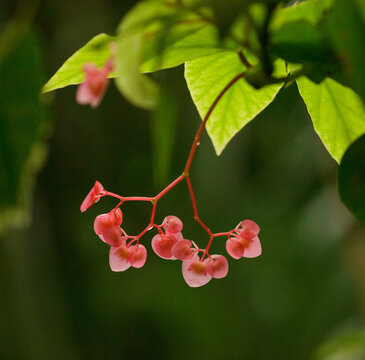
x: 185, y: 175
x: 189, y: 161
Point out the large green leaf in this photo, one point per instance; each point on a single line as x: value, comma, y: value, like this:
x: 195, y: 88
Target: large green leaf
x: 337, y: 113
x: 351, y: 178
x: 23, y: 127
x: 207, y: 77
x: 96, y: 51
x: 296, y: 33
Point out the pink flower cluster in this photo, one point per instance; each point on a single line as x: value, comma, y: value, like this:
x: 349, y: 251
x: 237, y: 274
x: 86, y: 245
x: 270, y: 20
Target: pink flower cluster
x: 107, y: 227
x: 169, y: 243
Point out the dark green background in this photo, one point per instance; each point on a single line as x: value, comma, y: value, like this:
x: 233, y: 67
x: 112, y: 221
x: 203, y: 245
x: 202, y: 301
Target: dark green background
x: 58, y: 297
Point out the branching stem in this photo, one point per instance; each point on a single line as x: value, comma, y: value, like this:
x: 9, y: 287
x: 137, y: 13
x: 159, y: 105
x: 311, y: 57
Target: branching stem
x: 185, y: 175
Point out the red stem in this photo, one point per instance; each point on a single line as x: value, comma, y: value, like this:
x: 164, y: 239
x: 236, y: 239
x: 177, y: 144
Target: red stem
x: 150, y: 224
x: 112, y: 194
x: 207, y: 248
x: 138, y: 198
x: 185, y: 175
x: 195, y: 207
x: 193, y: 150
x: 169, y: 187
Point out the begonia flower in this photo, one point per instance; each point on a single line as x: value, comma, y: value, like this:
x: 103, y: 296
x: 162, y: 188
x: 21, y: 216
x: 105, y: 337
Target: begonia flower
x: 246, y: 242
x: 195, y: 272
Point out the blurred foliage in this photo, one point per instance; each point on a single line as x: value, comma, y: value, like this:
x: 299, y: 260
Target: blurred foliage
x: 296, y: 32
x: 347, y: 346
x: 23, y: 129
x: 347, y: 27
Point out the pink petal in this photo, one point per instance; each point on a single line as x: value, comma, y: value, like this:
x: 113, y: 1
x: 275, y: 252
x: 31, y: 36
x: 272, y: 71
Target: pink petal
x: 83, y: 94
x: 249, y: 229
x: 182, y: 250
x: 118, y: 217
x: 194, y: 272
x: 113, y: 236
x: 253, y: 249
x: 92, y: 197
x: 101, y: 223
x: 118, y: 258
x: 217, y: 266
x: 162, y: 245
x: 172, y: 224
x: 234, y: 248
x: 104, y: 221
x: 92, y: 90
x: 138, y: 255
x: 98, y: 96
x: 98, y: 187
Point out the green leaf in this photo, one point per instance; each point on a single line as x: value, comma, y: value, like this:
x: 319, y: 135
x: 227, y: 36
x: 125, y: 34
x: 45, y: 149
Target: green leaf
x: 96, y: 51
x: 23, y: 129
x: 347, y: 31
x: 351, y: 179
x: 296, y: 32
x: 138, y: 89
x: 337, y: 113
x: 207, y: 77
x: 185, y: 41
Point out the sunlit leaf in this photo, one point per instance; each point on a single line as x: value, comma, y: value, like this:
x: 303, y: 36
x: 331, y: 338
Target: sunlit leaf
x: 337, y: 113
x: 207, y: 77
